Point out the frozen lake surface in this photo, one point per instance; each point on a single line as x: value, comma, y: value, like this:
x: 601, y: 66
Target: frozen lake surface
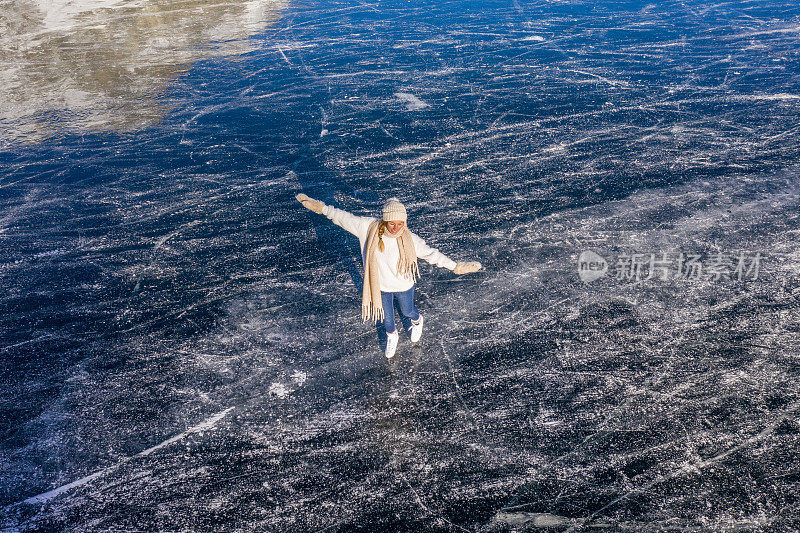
x: 181, y: 343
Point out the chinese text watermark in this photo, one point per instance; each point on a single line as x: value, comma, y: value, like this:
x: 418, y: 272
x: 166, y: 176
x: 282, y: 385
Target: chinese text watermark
x: 636, y: 267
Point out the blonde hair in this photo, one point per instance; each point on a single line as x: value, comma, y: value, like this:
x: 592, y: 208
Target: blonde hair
x: 381, y: 228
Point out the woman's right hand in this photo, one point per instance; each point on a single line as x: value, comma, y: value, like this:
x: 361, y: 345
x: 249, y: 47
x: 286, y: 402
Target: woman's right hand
x: 467, y: 268
x: 309, y: 203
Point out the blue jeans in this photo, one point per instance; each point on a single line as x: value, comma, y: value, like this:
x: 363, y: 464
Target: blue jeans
x: 405, y: 304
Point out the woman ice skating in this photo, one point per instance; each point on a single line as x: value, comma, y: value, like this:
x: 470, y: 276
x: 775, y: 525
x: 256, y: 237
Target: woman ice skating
x: 389, y: 252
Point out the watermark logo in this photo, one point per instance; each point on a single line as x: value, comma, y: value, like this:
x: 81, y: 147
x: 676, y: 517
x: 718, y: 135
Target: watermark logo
x: 718, y: 266
x: 591, y: 266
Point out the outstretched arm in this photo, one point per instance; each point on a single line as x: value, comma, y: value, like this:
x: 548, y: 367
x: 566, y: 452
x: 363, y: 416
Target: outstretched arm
x: 358, y: 226
x: 435, y: 257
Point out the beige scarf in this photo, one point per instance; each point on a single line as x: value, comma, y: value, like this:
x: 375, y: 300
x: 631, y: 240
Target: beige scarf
x: 371, y: 304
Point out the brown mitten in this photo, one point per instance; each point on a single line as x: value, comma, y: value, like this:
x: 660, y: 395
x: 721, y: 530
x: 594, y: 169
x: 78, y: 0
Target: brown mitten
x: 467, y: 268
x: 309, y: 203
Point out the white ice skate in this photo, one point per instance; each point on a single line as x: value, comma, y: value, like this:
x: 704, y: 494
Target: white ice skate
x: 391, y: 344
x: 416, y: 329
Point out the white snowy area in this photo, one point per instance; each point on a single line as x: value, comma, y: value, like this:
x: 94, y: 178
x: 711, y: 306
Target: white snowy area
x: 181, y: 343
x: 103, y: 64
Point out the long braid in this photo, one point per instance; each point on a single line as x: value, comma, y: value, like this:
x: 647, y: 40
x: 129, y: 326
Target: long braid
x: 381, y: 229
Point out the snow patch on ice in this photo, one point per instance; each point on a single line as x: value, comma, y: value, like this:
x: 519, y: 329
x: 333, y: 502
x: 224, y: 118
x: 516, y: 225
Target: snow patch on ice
x: 559, y: 148
x: 50, y: 253
x: 299, y: 377
x: 412, y: 102
x: 60, y: 73
x: 279, y: 390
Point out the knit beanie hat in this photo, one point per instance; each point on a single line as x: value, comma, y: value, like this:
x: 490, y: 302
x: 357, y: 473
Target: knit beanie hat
x: 394, y: 210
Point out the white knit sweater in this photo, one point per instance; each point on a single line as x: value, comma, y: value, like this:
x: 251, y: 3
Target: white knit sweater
x: 390, y: 280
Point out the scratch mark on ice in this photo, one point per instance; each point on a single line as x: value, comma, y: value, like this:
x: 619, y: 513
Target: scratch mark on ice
x: 65, y: 488
x: 689, y: 467
x: 205, y: 425
x: 160, y: 242
x: 600, y: 78
x: 284, y: 57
